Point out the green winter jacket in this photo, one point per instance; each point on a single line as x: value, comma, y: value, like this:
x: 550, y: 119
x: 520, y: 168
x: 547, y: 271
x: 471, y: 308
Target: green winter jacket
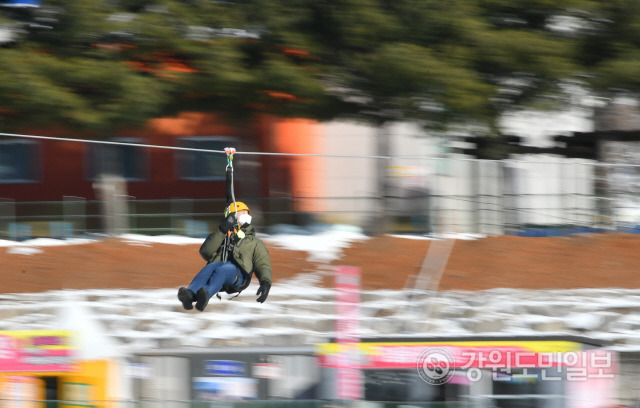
x: 249, y: 253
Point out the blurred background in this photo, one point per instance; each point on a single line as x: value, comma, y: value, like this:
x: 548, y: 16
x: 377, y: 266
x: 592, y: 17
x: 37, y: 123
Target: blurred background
x: 438, y: 120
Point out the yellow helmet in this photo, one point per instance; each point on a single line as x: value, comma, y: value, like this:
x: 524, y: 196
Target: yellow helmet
x: 241, y: 206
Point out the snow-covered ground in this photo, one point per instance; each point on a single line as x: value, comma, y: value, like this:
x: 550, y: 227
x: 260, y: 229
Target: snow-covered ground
x: 114, y: 323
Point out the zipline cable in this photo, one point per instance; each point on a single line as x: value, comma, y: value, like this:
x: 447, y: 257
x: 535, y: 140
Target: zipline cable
x: 152, y: 146
x: 344, y: 156
x: 192, y: 149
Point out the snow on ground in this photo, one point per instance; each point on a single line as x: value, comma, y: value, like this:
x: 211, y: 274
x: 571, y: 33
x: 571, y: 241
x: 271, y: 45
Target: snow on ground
x: 45, y: 242
x: 32, y: 246
x: 119, y: 322
x: 160, y: 239
x: 441, y: 236
x: 323, y: 241
x: 323, y: 244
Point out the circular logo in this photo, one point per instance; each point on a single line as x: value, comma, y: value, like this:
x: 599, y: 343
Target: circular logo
x: 435, y: 366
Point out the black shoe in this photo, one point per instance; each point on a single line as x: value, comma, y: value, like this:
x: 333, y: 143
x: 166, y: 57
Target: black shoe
x: 202, y: 299
x: 187, y: 298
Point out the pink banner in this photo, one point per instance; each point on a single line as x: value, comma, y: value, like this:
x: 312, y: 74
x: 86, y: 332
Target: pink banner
x: 35, y: 351
x: 406, y: 356
x: 499, y: 356
x: 349, y: 377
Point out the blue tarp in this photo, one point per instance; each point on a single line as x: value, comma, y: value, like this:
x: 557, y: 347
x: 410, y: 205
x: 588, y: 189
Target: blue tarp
x: 554, y: 231
x: 21, y: 3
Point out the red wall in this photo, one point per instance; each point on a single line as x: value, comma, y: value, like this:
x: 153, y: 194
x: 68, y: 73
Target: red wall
x: 63, y: 163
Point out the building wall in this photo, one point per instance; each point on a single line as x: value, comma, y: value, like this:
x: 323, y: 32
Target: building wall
x: 431, y: 188
x: 427, y: 188
x: 63, y: 166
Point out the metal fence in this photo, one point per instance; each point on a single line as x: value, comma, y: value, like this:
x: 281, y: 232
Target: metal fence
x: 430, y: 196
x: 75, y: 217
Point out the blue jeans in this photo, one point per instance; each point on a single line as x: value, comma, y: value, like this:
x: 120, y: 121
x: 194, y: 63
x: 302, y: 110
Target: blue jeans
x: 214, y: 276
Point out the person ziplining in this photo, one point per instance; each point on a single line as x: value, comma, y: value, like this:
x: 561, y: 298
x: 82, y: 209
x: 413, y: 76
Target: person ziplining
x: 233, y: 254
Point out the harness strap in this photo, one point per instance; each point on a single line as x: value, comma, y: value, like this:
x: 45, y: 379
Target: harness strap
x: 232, y: 285
x: 237, y: 276
x: 228, y: 239
x: 230, y: 197
x: 230, y: 151
x: 232, y: 297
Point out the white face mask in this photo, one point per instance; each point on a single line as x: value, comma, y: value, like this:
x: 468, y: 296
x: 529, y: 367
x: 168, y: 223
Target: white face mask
x: 244, y: 219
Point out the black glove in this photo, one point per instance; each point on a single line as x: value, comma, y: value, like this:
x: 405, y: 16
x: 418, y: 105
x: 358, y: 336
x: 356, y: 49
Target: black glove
x: 227, y: 224
x: 263, y: 291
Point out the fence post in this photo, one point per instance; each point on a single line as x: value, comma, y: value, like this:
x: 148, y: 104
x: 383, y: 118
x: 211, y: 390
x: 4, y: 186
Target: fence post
x: 7, y: 215
x: 112, y: 192
x: 476, y: 208
x: 181, y: 208
x: 133, y: 214
x: 74, y: 212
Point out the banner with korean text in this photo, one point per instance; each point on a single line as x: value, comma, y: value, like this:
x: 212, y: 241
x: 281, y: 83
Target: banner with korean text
x: 349, y: 376
x: 36, y: 351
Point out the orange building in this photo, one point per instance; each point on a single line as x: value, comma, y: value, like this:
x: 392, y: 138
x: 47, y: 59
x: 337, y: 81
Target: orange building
x: 48, y: 170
